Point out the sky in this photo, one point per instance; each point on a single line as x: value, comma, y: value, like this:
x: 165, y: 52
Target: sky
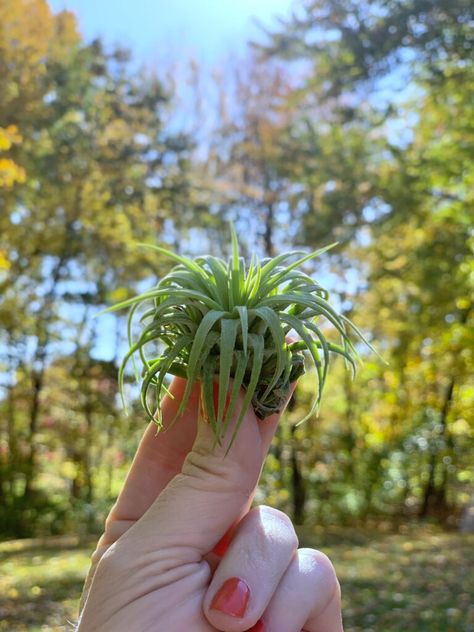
x: 171, y: 31
x: 209, y: 30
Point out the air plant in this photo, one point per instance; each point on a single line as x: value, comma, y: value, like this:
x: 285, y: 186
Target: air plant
x: 219, y: 321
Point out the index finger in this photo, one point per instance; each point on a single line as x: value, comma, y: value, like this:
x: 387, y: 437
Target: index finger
x: 158, y: 459
x: 159, y: 456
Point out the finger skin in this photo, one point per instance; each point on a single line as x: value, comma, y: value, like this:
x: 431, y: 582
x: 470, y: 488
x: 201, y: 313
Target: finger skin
x: 160, y: 458
x: 259, y: 554
x: 203, y: 501
x: 308, y: 597
x: 213, y: 489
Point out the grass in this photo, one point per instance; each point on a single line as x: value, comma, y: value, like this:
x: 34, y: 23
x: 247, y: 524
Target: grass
x: 412, y: 583
x: 40, y: 583
x: 416, y: 582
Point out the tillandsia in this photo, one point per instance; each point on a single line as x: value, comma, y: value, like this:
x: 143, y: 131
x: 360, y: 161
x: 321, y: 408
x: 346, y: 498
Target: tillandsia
x: 221, y: 321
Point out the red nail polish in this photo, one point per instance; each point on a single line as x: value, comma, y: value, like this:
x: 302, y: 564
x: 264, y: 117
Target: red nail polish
x: 232, y: 597
x: 258, y: 627
x: 223, y: 544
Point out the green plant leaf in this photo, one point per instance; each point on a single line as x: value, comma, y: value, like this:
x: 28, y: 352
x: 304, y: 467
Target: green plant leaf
x: 207, y: 391
x: 278, y: 335
x: 227, y: 346
x: 237, y: 383
x: 195, y: 355
x: 244, y: 324
x: 300, y: 329
x: 257, y: 344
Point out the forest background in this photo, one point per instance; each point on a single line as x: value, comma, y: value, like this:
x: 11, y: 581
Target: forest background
x: 347, y: 120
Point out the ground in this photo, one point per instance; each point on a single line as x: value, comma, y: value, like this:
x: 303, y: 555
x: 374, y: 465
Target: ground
x: 420, y: 582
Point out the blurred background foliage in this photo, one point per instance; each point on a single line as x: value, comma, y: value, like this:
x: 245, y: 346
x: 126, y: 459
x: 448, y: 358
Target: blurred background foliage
x: 352, y: 121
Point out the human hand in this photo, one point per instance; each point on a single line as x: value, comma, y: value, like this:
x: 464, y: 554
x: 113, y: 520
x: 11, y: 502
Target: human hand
x: 181, y: 551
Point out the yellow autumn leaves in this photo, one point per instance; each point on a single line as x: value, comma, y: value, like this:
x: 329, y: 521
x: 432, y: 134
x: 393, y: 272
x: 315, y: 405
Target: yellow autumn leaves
x: 10, y: 172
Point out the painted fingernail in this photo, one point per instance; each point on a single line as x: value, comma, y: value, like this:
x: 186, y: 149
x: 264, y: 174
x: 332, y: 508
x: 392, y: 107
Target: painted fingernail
x: 232, y: 597
x: 258, y: 627
x: 223, y: 544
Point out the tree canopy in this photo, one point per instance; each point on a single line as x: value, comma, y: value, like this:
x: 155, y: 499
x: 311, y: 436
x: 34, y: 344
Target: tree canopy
x: 350, y: 121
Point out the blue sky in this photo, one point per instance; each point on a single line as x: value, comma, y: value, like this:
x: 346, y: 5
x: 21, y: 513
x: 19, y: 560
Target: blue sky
x: 172, y: 29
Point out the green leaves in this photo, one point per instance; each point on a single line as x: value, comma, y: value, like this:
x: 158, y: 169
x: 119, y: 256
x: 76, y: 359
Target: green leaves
x: 226, y: 328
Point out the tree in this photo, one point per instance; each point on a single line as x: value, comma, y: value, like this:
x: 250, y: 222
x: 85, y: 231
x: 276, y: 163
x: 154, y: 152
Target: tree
x: 100, y: 173
x: 386, y: 171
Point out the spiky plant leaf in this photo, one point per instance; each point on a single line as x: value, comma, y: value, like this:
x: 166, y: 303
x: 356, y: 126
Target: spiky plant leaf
x: 214, y: 320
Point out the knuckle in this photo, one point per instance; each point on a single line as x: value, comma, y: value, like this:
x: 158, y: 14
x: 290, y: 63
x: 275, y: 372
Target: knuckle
x: 111, y: 562
x: 277, y: 525
x: 323, y: 571
x: 115, y: 528
x: 98, y: 553
x: 205, y: 470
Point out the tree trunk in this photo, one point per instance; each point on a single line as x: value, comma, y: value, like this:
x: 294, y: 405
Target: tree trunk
x: 39, y: 366
x: 76, y: 483
x: 298, y: 485
x: 41, y: 352
x: 350, y: 438
x: 12, y: 441
x: 441, y: 496
x: 429, y: 489
x: 37, y: 379
x: 268, y: 232
x: 87, y: 455
x: 435, y: 498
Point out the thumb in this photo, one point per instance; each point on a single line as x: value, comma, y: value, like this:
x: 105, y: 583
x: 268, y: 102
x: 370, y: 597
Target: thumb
x: 203, y: 501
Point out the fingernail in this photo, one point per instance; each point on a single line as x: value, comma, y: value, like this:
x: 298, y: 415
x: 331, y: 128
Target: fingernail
x: 232, y: 597
x: 258, y: 627
x: 223, y: 544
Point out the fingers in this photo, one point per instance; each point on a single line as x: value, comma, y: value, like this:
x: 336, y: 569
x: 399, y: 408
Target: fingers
x: 158, y: 459
x: 308, y: 597
x: 264, y: 581
x: 161, y: 456
x: 251, y: 570
x: 214, y: 487
x: 200, y: 504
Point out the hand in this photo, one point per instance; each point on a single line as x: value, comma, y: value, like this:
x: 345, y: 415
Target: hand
x: 182, y: 552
